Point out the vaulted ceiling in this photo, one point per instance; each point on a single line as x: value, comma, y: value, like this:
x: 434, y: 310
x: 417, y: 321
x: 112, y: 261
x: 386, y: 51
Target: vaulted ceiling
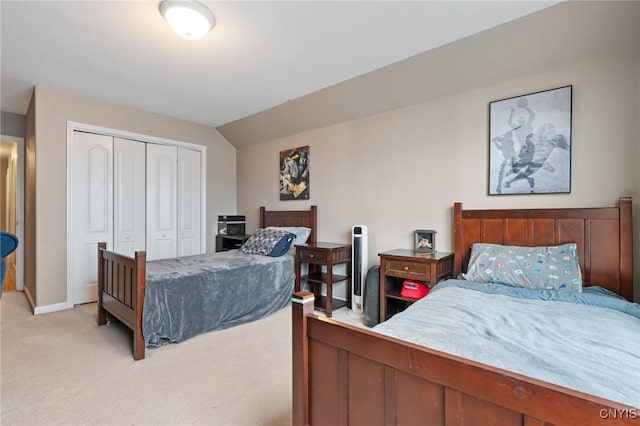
x: 260, y: 55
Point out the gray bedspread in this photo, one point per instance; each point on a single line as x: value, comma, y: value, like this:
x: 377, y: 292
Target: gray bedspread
x: 190, y: 295
x: 587, y: 341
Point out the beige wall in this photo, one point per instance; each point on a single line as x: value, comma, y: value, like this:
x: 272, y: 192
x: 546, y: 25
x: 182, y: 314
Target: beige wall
x: 52, y: 111
x: 30, y: 204
x: 403, y: 170
x: 12, y: 124
x: 4, y: 165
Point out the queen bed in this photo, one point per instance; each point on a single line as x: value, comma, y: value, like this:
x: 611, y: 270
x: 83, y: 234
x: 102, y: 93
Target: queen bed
x: 486, y: 353
x: 170, y: 300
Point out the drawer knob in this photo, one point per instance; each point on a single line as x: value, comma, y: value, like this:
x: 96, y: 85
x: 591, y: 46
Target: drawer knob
x: 406, y: 268
x: 312, y: 256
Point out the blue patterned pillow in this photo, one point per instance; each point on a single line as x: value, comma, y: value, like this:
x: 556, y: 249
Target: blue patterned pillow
x: 553, y: 267
x: 268, y: 242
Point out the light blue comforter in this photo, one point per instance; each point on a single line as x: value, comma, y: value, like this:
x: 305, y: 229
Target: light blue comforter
x: 587, y: 341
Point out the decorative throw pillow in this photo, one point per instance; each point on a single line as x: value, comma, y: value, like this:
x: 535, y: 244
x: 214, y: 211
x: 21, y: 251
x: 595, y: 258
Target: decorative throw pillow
x: 552, y: 267
x: 302, y: 234
x: 264, y: 241
x: 282, y: 246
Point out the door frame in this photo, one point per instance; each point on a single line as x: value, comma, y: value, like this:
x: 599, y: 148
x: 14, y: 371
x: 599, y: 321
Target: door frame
x: 90, y: 128
x: 19, y: 210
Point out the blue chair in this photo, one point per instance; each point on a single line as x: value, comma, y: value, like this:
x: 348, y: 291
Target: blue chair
x: 8, y: 244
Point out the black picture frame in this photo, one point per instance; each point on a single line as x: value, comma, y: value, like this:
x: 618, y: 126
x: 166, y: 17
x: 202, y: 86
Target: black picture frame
x: 425, y: 240
x: 530, y: 143
x: 294, y: 174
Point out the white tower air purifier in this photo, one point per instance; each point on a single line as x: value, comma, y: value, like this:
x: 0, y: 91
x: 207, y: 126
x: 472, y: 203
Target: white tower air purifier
x: 359, y: 256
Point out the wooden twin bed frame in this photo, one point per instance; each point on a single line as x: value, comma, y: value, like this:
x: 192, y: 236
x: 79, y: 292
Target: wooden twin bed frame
x: 344, y: 375
x: 122, y: 279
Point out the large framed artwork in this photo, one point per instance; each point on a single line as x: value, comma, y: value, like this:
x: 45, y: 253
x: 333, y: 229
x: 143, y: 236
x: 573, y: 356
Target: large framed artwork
x: 530, y: 143
x: 294, y: 174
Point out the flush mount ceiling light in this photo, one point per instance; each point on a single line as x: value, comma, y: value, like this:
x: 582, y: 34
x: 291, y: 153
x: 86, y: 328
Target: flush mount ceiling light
x: 189, y: 19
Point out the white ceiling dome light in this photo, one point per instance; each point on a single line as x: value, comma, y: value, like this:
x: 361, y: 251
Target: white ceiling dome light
x: 188, y: 18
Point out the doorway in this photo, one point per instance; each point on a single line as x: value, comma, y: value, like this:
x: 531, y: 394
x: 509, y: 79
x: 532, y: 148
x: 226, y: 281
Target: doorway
x: 12, y: 202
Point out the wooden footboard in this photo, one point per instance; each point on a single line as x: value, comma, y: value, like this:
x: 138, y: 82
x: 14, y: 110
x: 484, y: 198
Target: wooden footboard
x: 122, y: 279
x: 121, y: 288
x: 344, y: 375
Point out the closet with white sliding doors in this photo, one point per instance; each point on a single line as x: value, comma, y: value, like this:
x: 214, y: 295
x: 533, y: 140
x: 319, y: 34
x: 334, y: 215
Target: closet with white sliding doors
x: 134, y: 195
x: 173, y: 202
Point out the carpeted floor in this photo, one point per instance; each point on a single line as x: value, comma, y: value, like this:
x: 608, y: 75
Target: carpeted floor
x: 62, y: 369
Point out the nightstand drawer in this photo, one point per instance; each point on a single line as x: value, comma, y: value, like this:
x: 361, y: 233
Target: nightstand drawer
x: 400, y: 264
x: 408, y: 269
x: 313, y: 256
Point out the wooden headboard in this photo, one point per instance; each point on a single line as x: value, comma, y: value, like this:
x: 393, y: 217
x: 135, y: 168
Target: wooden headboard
x: 603, y: 235
x: 306, y: 218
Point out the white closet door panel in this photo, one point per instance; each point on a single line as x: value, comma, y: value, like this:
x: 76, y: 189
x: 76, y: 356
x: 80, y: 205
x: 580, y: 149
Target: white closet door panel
x: 161, y: 201
x: 189, y: 207
x: 165, y: 193
x: 98, y: 188
x: 91, y: 196
x: 129, y: 180
x: 164, y: 248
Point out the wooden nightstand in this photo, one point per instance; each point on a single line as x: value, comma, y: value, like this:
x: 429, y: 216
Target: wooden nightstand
x: 327, y: 255
x: 400, y: 264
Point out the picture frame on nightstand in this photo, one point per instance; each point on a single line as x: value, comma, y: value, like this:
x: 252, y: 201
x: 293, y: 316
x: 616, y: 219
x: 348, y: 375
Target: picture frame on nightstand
x: 425, y: 240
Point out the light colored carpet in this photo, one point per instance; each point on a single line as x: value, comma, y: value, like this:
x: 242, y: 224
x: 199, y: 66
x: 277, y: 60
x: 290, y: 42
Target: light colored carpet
x: 62, y: 369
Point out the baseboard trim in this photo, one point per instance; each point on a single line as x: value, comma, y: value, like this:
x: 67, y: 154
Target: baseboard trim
x: 50, y: 308
x: 32, y: 304
x: 37, y: 310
